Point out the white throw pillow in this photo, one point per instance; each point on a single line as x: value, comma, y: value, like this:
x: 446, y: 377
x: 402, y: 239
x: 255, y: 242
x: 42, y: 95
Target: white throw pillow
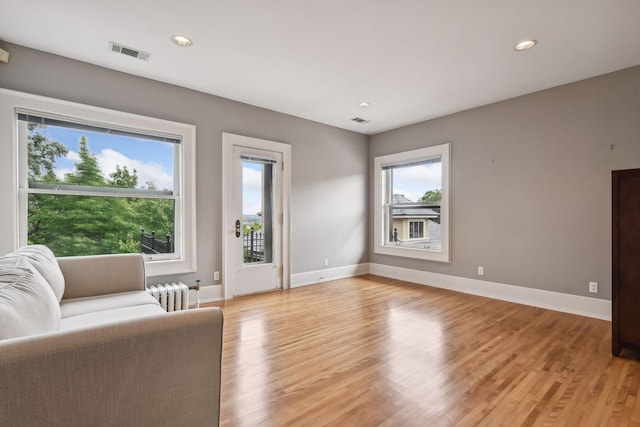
x: 43, y: 260
x: 28, y: 305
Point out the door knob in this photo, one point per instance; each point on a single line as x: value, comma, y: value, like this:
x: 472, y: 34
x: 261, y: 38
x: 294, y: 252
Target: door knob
x: 237, y: 228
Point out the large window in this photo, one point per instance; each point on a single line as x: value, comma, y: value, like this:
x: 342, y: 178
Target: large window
x: 412, y: 204
x: 95, y: 181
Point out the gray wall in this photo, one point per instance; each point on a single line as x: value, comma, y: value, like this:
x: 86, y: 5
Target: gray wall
x: 530, y: 176
x: 531, y: 183
x: 329, y: 175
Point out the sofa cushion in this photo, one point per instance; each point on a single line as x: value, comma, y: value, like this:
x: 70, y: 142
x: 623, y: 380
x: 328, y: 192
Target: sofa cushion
x: 78, y: 306
x: 28, y: 306
x: 43, y: 260
x: 110, y: 316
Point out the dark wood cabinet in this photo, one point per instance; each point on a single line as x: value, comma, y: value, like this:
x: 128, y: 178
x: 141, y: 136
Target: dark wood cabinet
x: 626, y: 260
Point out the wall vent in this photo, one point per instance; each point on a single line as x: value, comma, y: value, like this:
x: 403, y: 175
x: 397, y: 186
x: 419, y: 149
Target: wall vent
x: 134, y: 53
x: 360, y: 120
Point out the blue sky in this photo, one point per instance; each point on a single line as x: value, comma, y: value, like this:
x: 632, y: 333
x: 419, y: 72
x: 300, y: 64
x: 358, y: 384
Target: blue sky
x: 414, y: 181
x: 152, y: 160
x: 251, y: 188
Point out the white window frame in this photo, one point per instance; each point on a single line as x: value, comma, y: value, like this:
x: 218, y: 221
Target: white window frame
x: 442, y: 151
x: 12, y: 102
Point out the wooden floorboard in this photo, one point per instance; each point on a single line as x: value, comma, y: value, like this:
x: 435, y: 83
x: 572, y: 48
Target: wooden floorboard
x: 371, y: 351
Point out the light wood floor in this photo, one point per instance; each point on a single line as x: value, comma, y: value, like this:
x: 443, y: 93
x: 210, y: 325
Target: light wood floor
x: 370, y: 351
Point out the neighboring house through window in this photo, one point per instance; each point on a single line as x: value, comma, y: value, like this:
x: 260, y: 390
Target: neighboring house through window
x: 412, y: 204
x: 409, y: 219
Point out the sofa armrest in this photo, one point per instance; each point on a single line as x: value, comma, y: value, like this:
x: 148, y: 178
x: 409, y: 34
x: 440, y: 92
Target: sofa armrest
x: 162, y: 371
x: 87, y: 276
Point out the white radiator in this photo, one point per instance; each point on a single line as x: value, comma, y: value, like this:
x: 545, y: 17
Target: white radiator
x: 171, y: 296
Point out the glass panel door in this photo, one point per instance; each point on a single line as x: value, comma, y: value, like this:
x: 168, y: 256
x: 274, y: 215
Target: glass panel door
x: 257, y: 210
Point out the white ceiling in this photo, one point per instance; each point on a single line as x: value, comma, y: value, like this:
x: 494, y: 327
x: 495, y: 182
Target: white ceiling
x: 413, y: 60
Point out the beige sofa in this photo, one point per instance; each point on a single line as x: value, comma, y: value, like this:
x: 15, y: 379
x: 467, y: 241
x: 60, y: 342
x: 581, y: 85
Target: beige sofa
x: 83, y: 344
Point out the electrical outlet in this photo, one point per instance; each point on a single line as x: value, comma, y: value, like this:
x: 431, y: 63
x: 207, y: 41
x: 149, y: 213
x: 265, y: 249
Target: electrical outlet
x: 326, y: 262
x: 593, y: 287
x: 216, y: 275
x: 480, y: 271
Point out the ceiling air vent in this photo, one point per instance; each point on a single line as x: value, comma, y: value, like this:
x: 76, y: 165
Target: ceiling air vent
x: 135, y: 53
x: 359, y: 120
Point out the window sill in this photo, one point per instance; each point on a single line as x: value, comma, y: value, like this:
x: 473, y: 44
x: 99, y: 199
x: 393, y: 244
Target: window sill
x: 438, y: 256
x: 168, y: 267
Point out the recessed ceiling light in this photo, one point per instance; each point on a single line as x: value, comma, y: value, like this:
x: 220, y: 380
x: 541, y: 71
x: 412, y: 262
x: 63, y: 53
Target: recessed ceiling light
x: 181, y: 40
x: 364, y: 104
x: 525, y: 45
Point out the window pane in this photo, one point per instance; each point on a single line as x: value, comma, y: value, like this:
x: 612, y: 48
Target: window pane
x: 412, y: 193
x: 74, y: 155
x: 91, y: 225
x: 257, y: 211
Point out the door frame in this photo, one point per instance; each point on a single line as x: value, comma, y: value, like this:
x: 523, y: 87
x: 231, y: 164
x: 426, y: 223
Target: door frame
x: 229, y: 141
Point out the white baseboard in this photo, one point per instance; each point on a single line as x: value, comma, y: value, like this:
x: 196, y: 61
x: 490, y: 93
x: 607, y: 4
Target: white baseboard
x: 574, y: 304
x: 207, y: 294
x: 324, y: 275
